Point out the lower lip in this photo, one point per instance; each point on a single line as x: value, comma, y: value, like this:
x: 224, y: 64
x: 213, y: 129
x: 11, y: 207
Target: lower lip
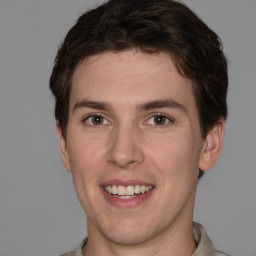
x: 127, y: 203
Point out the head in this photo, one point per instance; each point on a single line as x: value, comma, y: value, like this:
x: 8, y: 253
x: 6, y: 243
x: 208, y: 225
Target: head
x: 162, y: 26
x: 146, y: 50
x: 156, y: 26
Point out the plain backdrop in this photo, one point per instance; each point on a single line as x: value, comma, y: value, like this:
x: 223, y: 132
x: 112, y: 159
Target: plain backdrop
x: 39, y: 212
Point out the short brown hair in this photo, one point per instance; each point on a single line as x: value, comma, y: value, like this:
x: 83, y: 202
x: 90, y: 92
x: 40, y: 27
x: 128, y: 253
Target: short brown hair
x: 152, y: 27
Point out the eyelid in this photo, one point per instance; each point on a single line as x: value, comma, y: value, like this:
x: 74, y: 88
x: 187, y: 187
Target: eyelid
x: 169, y: 118
x: 85, y: 118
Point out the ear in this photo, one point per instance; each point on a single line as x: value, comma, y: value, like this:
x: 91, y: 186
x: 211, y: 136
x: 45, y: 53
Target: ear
x: 212, y: 146
x: 63, y: 148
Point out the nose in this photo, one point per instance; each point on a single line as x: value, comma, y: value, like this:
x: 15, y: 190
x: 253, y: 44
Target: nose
x: 125, y: 148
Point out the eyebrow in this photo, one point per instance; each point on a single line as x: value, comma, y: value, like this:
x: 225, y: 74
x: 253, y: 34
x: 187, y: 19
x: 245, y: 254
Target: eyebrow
x: 161, y: 104
x: 148, y: 106
x: 91, y: 104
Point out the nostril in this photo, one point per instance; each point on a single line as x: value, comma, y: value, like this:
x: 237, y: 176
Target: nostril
x: 123, y: 164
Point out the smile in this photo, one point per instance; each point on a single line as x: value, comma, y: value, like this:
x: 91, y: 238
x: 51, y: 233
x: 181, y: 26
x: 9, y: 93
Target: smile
x: 127, y: 192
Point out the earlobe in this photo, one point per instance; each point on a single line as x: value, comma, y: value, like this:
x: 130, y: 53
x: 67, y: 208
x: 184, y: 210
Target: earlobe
x: 63, y: 148
x: 212, y: 146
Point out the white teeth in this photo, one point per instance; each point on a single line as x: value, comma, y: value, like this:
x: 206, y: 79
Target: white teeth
x: 109, y: 189
x: 121, y: 190
x: 148, y: 188
x: 127, y: 192
x: 124, y: 197
x: 137, y: 189
x: 114, y: 190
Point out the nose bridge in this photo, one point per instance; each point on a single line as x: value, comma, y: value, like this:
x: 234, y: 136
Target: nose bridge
x: 125, y: 149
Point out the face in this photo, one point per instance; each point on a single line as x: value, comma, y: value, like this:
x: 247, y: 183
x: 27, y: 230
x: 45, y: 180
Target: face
x: 133, y: 146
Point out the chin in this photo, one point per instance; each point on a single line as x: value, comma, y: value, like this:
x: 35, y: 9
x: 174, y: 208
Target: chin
x: 129, y: 238
x: 128, y: 233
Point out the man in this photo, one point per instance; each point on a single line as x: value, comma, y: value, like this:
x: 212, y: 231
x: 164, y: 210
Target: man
x: 140, y: 89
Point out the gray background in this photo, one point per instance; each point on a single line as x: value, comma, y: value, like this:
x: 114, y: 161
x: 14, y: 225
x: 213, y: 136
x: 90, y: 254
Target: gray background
x: 39, y: 212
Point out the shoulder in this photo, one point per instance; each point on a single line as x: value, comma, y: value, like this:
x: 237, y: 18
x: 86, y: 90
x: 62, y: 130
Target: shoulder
x: 71, y: 253
x: 204, y: 243
x: 78, y: 251
x: 219, y: 253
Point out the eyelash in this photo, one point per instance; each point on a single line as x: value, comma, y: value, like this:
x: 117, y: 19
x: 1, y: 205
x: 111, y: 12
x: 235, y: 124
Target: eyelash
x: 85, y: 119
x: 168, y: 120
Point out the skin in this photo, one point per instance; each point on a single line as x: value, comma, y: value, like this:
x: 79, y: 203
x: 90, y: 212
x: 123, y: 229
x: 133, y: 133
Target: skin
x: 127, y: 145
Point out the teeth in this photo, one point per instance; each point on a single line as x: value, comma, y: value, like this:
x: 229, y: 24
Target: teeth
x: 137, y: 189
x: 124, y: 197
x: 114, y: 190
x: 121, y: 191
x: 109, y: 189
x: 127, y: 192
x: 148, y: 188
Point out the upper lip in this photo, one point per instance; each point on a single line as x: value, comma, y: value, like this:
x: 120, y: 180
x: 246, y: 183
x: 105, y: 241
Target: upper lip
x: 125, y: 183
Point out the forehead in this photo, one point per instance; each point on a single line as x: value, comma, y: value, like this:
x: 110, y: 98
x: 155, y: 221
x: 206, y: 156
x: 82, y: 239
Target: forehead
x: 130, y: 77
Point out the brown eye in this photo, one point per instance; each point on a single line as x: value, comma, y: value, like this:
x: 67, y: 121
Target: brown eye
x: 160, y: 120
x: 95, y: 120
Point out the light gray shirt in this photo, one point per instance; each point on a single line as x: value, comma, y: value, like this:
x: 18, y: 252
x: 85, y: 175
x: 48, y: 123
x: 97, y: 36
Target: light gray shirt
x: 205, y: 246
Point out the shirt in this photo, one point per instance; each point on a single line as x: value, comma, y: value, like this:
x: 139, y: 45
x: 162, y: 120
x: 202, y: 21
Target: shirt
x: 205, y: 246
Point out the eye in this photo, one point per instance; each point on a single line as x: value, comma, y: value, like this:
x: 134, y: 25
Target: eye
x: 159, y: 120
x: 94, y: 120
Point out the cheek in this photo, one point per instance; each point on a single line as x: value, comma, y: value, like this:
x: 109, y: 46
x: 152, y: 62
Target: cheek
x: 174, y: 162
x: 88, y: 166
x: 169, y: 150
x: 85, y: 154
x: 175, y: 155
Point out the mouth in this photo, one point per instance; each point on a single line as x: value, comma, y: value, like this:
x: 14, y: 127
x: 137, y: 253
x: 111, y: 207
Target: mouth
x: 127, y: 192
